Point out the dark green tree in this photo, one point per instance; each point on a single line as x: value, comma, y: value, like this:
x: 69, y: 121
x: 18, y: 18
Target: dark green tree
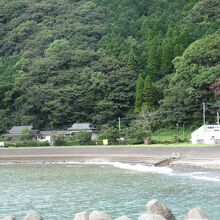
x: 149, y: 98
x: 139, y: 94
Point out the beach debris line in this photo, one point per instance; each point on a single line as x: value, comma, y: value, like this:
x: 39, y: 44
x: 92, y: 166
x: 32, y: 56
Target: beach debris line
x: 155, y: 210
x: 168, y: 161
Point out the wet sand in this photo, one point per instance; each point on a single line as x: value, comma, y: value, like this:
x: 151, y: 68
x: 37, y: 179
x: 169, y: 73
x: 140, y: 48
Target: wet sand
x: 204, y: 158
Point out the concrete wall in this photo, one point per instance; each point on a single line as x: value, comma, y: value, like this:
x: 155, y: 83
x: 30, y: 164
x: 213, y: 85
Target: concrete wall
x: 206, y: 134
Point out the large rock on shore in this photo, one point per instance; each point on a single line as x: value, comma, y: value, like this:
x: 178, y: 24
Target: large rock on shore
x: 151, y: 217
x: 123, y: 218
x: 33, y: 216
x: 156, y: 207
x: 197, y: 214
x: 95, y: 215
x: 82, y: 216
x: 9, y: 218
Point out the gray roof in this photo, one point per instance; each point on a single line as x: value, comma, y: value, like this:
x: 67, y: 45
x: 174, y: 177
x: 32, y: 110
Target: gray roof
x: 19, y: 129
x: 82, y: 126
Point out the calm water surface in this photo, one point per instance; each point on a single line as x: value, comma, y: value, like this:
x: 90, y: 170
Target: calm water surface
x: 60, y: 191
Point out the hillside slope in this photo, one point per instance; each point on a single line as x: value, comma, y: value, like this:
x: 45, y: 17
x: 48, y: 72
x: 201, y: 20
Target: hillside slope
x: 79, y: 60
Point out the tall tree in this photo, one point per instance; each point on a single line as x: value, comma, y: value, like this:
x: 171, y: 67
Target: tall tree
x: 139, y: 94
x: 149, y: 98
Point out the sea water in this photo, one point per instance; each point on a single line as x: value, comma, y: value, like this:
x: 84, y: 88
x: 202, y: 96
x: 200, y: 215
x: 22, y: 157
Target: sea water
x: 59, y: 191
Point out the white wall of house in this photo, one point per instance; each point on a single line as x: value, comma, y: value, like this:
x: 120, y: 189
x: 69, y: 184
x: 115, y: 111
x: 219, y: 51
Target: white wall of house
x: 46, y: 138
x: 206, y: 134
x: 2, y: 144
x: 94, y: 136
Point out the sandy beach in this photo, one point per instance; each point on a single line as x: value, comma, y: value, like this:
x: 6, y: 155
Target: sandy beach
x: 198, y: 158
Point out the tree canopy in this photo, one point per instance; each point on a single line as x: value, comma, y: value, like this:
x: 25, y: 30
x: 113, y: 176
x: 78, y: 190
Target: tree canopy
x: 96, y: 60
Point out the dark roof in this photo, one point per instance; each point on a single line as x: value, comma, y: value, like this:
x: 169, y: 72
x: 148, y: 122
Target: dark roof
x: 82, y: 126
x: 19, y: 129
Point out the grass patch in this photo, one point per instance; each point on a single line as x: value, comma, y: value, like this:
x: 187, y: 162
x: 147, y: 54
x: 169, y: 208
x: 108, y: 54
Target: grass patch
x: 167, y: 137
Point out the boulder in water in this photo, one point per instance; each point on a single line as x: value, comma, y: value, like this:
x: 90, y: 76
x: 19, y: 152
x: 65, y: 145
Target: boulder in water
x: 156, y: 207
x: 151, y: 217
x: 82, y: 216
x: 33, y: 216
x: 197, y: 214
x: 95, y: 215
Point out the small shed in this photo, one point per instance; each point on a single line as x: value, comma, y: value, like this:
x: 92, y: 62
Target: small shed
x: 206, y: 134
x: 83, y: 127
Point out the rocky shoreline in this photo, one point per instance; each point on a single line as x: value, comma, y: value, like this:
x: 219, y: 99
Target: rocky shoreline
x: 155, y: 210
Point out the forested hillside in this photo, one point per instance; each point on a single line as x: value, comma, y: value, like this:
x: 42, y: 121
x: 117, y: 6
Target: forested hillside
x: 78, y: 60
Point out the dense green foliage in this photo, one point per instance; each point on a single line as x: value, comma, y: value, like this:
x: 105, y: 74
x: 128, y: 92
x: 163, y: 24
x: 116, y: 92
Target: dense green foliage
x: 26, y: 135
x: 97, y: 60
x: 30, y: 143
x: 82, y: 138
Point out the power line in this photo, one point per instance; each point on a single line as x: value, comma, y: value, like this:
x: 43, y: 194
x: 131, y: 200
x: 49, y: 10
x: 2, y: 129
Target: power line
x: 204, y: 106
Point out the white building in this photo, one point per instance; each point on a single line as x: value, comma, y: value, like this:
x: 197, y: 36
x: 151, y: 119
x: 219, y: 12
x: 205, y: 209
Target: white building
x: 206, y: 134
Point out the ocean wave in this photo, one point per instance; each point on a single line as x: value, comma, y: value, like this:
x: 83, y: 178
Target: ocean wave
x: 204, y: 176
x: 127, y: 166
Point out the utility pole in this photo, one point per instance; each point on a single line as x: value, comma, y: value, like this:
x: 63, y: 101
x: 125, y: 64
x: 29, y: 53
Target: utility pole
x: 218, y: 118
x: 177, y: 133
x: 183, y: 132
x: 119, y: 123
x: 204, y: 120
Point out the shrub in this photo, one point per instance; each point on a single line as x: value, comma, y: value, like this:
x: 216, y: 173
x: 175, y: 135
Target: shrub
x: 112, y: 134
x: 136, y: 134
x: 32, y: 143
x: 26, y: 135
x: 82, y: 138
x: 59, y: 140
x: 3, y: 138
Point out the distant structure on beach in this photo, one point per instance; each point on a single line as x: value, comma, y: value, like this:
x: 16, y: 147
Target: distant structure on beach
x: 85, y: 127
x: 15, y: 132
x: 75, y: 129
x: 206, y: 134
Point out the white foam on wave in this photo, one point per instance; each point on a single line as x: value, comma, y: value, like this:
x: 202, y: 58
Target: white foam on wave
x: 205, y: 176
x: 213, y: 179
x: 127, y: 166
x: 143, y: 168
